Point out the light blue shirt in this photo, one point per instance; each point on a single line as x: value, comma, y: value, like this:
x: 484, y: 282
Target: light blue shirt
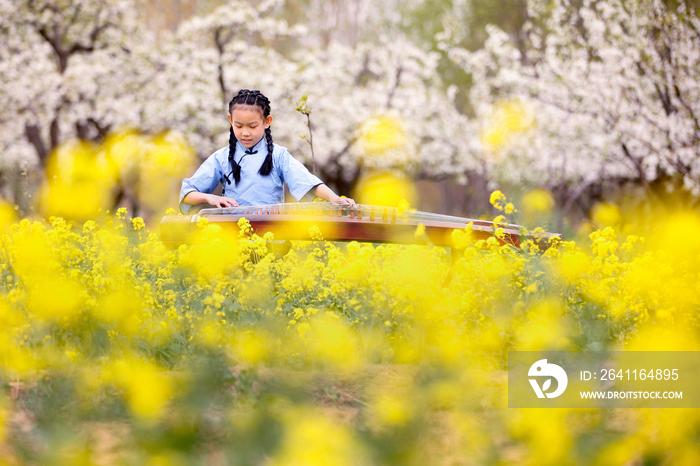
x: 254, y: 189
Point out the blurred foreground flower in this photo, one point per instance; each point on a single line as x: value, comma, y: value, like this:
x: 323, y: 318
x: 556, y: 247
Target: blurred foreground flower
x: 606, y: 214
x: 537, y: 201
x: 333, y: 353
x: 84, y: 178
x: 385, y: 143
x: 509, y: 118
x: 385, y: 188
x: 78, y: 182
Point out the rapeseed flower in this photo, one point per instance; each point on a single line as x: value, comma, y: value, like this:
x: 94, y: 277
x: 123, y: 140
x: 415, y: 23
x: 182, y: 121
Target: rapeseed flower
x: 335, y: 352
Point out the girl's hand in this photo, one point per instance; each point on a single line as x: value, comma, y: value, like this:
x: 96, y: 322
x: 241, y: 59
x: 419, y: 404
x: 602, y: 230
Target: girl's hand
x: 343, y: 200
x: 220, y: 201
x: 325, y: 192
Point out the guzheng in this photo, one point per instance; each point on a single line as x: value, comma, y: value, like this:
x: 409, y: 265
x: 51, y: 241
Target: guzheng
x: 337, y: 222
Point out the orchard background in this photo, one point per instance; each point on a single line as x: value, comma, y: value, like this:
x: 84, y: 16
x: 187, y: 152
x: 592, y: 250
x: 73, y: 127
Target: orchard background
x: 580, y: 117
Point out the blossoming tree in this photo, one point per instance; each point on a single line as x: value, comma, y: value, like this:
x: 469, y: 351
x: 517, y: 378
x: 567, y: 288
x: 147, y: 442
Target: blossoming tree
x: 391, y: 80
x: 608, y: 91
x: 70, y: 69
x: 76, y: 68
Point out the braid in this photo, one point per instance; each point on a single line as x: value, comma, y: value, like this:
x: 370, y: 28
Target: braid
x: 235, y: 168
x: 247, y: 97
x: 266, y: 167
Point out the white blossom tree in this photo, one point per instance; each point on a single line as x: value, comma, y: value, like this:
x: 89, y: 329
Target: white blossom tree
x: 70, y: 68
x: 240, y: 46
x: 209, y: 59
x: 611, y: 90
x: 85, y: 68
x: 392, y: 84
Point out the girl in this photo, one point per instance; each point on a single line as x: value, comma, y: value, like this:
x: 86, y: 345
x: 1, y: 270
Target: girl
x: 252, y: 169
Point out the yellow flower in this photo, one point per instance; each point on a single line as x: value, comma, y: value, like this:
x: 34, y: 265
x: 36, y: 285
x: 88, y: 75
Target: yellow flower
x: 315, y: 233
x: 537, y: 201
x: 499, y: 220
x: 420, y: 230
x: 245, y: 228
x: 606, y: 214
x: 89, y: 226
x: 509, y: 119
x: 498, y: 200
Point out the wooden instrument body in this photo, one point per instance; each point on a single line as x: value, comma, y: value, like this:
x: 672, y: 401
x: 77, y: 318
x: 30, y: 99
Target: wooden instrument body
x: 366, y: 223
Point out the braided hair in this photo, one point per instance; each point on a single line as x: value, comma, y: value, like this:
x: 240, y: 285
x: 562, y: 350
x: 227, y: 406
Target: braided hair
x: 247, y: 97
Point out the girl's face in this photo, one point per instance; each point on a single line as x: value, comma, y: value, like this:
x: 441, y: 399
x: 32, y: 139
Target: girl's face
x: 248, y: 125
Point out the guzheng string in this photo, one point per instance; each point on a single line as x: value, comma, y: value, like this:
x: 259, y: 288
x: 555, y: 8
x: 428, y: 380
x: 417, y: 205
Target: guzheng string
x: 357, y: 212
x: 359, y: 222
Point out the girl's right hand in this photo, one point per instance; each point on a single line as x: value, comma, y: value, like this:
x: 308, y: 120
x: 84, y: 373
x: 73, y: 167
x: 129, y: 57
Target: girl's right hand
x: 220, y: 201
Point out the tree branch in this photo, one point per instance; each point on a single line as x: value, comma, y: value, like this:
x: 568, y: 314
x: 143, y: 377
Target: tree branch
x: 640, y: 169
x: 220, y: 47
x: 397, y: 82
x: 33, y: 134
x: 575, y: 194
x: 55, y: 132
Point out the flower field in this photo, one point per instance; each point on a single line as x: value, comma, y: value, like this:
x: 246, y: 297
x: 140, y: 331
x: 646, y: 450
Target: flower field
x: 237, y: 350
x: 116, y: 350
